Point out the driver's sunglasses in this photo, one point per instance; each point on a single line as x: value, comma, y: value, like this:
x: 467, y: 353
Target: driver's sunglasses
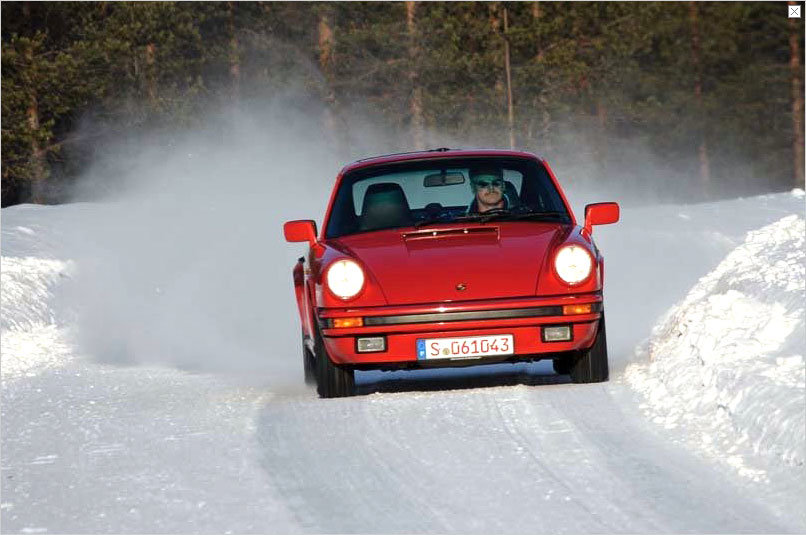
x: 497, y: 183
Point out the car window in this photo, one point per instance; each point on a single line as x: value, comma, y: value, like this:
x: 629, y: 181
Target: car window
x: 399, y: 195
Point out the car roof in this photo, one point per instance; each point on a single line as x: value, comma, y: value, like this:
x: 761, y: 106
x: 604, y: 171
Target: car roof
x: 434, y: 154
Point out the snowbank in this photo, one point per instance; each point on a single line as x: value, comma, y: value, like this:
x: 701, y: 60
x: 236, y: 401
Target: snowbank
x: 28, y: 285
x: 31, y: 336
x: 727, y: 363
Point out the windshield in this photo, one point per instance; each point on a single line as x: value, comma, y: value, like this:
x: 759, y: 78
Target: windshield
x: 415, y: 194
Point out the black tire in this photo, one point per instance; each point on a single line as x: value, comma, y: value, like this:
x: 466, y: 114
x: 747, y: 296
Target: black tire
x: 591, y: 366
x: 562, y: 365
x: 332, y: 381
x: 308, y: 364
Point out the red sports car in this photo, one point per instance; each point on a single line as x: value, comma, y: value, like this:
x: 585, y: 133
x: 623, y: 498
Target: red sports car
x: 449, y: 258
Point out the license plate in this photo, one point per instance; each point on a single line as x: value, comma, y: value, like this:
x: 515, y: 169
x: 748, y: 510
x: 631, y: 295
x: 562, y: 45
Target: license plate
x: 464, y: 348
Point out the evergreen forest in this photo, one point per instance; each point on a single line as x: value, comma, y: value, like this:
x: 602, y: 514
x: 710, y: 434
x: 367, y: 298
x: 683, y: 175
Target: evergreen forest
x: 710, y: 90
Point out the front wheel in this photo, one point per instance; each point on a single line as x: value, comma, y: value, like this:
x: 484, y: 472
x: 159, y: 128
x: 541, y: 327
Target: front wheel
x: 332, y: 381
x: 591, y: 366
x: 308, y: 364
x: 562, y: 365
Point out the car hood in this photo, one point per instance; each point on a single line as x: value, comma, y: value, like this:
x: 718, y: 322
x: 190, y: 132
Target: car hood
x: 455, y: 264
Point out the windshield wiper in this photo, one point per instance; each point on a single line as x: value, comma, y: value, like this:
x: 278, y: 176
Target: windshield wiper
x: 485, y: 216
x: 432, y: 220
x: 539, y: 215
x: 503, y: 213
x: 496, y: 213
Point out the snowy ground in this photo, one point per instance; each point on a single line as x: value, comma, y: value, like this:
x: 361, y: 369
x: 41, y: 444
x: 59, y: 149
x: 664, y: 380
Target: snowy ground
x: 701, y: 428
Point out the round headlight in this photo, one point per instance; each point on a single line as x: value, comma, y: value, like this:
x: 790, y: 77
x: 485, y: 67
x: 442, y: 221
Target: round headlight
x: 345, y: 278
x: 573, y: 264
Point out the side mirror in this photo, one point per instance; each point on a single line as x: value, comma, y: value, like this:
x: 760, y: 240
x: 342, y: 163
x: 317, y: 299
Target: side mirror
x: 300, y: 230
x: 601, y: 213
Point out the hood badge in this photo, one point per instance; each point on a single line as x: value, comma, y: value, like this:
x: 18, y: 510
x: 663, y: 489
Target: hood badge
x: 461, y: 286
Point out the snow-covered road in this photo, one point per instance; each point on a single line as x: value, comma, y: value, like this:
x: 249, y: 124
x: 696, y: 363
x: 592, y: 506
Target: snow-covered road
x: 100, y: 449
x: 553, y: 458
x: 97, y: 449
x: 94, y: 447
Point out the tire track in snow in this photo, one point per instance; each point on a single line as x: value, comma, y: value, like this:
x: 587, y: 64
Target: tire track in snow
x: 663, y: 478
x: 553, y: 459
x: 515, y: 432
x: 393, y: 450
x: 324, y: 460
x: 535, y: 442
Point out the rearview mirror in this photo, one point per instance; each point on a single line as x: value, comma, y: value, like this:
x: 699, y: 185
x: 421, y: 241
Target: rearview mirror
x: 300, y: 230
x: 444, y: 178
x: 601, y: 213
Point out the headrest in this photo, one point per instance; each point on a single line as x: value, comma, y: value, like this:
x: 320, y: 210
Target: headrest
x: 384, y: 193
x: 385, y: 206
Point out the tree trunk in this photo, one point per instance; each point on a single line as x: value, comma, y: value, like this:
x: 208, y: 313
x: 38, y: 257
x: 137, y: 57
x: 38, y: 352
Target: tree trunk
x: 234, y: 56
x: 797, y: 101
x: 500, y: 89
x: 151, y: 75
x: 38, y: 163
x: 545, y: 127
x: 416, y: 97
x: 602, y: 148
x: 537, y: 13
x: 705, y: 169
x: 327, y: 43
x: 540, y: 100
x: 510, y: 111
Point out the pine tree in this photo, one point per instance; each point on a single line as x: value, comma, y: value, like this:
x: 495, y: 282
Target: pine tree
x: 709, y: 90
x: 797, y: 100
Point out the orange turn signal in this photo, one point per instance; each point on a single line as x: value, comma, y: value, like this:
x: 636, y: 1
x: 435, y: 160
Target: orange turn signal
x: 344, y: 323
x: 569, y: 310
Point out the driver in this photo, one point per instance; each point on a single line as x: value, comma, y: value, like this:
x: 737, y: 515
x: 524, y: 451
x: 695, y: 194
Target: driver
x: 487, y: 184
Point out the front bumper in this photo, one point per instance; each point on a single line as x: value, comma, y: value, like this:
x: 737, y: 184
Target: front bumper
x: 402, y: 326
